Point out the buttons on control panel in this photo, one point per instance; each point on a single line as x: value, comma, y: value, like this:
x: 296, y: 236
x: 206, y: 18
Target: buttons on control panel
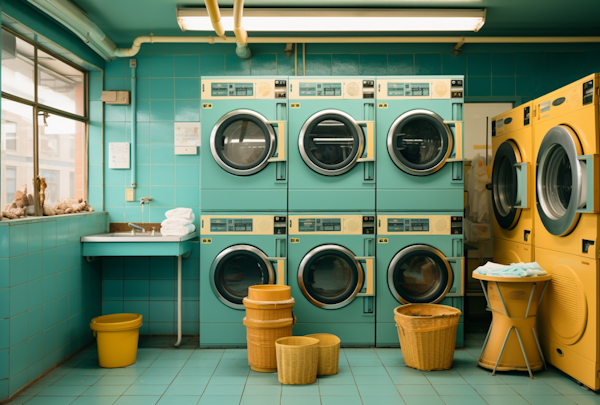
x: 456, y: 225
x: 368, y: 225
x: 457, y: 94
x: 368, y: 88
x: 280, y: 88
x: 280, y: 83
x: 456, y: 83
x: 280, y: 225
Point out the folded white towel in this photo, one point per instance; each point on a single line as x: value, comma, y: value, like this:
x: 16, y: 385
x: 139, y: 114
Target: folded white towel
x: 178, y: 221
x: 177, y: 230
x: 532, y: 269
x: 185, y: 213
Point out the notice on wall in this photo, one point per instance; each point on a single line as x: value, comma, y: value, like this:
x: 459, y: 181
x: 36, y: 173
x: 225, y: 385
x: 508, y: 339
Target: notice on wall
x: 118, y: 155
x: 187, y: 134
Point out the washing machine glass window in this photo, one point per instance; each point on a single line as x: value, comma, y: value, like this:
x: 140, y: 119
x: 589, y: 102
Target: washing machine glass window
x: 237, y: 268
x: 330, y: 142
x: 330, y: 276
x: 419, y: 274
x: 242, y: 142
x: 419, y: 142
x: 504, y: 185
x: 561, y: 181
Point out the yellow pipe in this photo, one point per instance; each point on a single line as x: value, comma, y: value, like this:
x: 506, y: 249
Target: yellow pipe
x: 215, y: 16
x: 241, y: 35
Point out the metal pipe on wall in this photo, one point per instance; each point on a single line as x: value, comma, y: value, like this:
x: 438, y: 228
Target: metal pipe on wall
x: 133, y: 65
x: 215, y: 16
x: 241, y: 35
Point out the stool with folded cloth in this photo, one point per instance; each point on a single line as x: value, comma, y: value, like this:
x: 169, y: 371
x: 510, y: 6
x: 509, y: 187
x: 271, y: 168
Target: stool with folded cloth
x: 179, y: 222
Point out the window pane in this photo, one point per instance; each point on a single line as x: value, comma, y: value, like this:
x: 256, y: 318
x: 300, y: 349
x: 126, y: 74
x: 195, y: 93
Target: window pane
x: 59, y: 85
x: 62, y: 157
x: 17, y: 66
x: 16, y: 164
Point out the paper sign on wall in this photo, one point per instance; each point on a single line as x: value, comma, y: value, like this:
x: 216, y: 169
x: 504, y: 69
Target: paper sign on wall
x: 187, y: 134
x: 118, y: 155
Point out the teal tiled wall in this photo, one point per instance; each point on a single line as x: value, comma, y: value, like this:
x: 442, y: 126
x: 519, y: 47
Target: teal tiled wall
x: 48, y: 294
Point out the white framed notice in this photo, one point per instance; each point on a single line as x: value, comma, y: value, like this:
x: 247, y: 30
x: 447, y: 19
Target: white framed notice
x: 118, y: 157
x: 187, y: 134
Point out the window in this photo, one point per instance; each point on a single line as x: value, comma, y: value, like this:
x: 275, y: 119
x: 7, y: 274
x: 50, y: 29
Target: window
x: 44, y: 121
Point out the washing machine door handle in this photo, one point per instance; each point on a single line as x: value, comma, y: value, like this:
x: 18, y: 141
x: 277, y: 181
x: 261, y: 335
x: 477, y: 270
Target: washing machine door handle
x: 282, y: 138
x: 280, y: 269
x: 369, y: 282
x: 458, y: 140
x: 369, y: 141
x: 522, y: 171
x: 592, y: 202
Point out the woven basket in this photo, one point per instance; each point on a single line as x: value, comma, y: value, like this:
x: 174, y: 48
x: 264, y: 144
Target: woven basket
x: 297, y: 359
x: 427, y: 335
x: 329, y: 353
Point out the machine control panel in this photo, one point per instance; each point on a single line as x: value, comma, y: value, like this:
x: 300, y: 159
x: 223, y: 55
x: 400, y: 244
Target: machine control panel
x: 280, y: 88
x: 400, y: 89
x: 408, y: 225
x: 279, y: 225
x: 456, y: 225
x: 231, y: 89
x: 244, y: 225
x: 320, y: 89
x: 320, y: 224
x: 526, y: 115
x: 588, y: 92
x: 456, y: 88
x: 231, y: 225
x: 368, y: 88
x: 368, y: 225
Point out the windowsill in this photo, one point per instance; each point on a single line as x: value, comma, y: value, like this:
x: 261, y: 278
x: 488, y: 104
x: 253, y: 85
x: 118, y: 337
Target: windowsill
x: 29, y: 220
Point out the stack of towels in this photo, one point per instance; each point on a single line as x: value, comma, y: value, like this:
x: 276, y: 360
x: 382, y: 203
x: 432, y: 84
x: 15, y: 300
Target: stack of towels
x: 179, y: 222
x: 514, y: 270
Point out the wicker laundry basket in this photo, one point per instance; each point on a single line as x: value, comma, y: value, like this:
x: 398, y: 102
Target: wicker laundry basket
x: 329, y: 353
x: 297, y: 360
x: 427, y: 335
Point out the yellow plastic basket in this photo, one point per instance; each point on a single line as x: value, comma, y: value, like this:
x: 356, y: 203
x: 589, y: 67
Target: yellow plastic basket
x: 329, y: 353
x: 297, y: 360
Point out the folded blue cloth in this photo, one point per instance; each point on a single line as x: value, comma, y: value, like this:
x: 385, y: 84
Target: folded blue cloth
x: 514, y: 270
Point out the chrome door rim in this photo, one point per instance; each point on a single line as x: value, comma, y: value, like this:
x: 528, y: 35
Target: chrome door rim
x: 317, y: 168
x: 565, y: 138
x: 225, y: 253
x: 411, y: 249
x: 320, y: 249
x: 392, y: 151
x: 510, y: 220
x: 257, y: 168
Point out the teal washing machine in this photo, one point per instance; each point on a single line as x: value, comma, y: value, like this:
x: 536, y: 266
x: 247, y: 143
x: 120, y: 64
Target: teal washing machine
x: 332, y: 275
x: 420, y: 143
x: 420, y: 259
x: 244, y: 144
x: 332, y: 144
x: 236, y: 252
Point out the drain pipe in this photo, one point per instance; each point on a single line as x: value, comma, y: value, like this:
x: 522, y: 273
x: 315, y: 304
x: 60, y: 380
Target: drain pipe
x: 133, y: 66
x: 215, y: 16
x: 242, y: 50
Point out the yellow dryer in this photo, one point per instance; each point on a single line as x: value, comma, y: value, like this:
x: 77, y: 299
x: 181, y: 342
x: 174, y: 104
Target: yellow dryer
x: 566, y: 147
x: 512, y: 180
x: 568, y: 315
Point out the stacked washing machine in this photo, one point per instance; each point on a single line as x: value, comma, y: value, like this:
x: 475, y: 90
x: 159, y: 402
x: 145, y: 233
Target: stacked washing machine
x: 563, y: 165
x: 420, y: 196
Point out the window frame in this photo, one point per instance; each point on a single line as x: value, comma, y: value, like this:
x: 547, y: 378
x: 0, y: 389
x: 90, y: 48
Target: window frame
x: 40, y: 109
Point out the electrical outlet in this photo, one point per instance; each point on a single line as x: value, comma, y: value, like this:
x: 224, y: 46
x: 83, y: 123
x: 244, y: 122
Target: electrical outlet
x: 129, y: 194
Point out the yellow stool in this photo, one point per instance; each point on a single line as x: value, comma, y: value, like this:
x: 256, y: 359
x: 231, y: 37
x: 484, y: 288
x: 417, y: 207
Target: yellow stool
x: 514, y: 302
x: 117, y: 337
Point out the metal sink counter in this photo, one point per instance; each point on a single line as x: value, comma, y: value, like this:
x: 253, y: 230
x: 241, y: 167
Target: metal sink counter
x: 139, y: 244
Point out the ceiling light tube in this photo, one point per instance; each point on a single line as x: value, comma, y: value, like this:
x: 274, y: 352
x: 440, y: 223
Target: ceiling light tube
x: 337, y: 20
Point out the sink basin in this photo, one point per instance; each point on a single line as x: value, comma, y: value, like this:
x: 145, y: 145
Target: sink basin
x: 140, y: 244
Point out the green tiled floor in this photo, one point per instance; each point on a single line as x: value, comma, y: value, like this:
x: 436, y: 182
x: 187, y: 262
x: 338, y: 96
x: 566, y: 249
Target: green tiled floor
x: 188, y: 376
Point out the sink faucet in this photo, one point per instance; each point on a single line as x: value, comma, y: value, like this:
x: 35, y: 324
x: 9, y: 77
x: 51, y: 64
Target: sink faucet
x: 135, y: 227
x: 145, y: 200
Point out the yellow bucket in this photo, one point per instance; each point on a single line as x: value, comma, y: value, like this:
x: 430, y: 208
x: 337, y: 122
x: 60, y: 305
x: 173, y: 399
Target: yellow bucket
x: 117, y: 337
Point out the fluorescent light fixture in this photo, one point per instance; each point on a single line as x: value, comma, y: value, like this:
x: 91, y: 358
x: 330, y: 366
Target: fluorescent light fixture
x: 337, y: 19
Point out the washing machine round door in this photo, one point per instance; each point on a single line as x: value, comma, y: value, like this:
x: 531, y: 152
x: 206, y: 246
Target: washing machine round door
x: 330, y: 276
x: 561, y: 181
x: 419, y: 142
x: 242, y: 142
x: 331, y: 142
x: 419, y: 274
x: 237, y: 268
x: 505, y: 184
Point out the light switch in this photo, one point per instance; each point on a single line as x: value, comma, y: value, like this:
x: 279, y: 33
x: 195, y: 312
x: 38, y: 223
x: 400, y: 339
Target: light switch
x: 129, y: 194
x: 186, y: 150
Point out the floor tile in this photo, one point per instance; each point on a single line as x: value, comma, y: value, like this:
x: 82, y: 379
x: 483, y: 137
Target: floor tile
x: 21, y: 399
x: 224, y: 390
x: 51, y: 400
x: 410, y: 380
x: 197, y: 371
x: 504, y: 400
x: 263, y: 380
x: 534, y: 390
x: 190, y: 380
x: 463, y: 400
x: 337, y: 390
x: 302, y: 400
x: 336, y: 380
x: 207, y: 354
x: 139, y: 400
x: 107, y: 400
x: 154, y: 379
x: 494, y: 390
x: 369, y: 370
x: 521, y: 380
x: 381, y: 400
x: 483, y: 380
x: 299, y: 390
x: 364, y: 362
x: 373, y: 380
x: 231, y: 371
x: 96, y: 390
x: 341, y: 400
x: 169, y: 371
x: 77, y: 380
x: 179, y: 400
x: 260, y: 400
x: 185, y: 390
x: 571, y: 389
x: 264, y: 390
x: 447, y: 380
x: 372, y: 390
x: 202, y: 363
x: 88, y: 371
x: 228, y: 380
x: 129, y: 371
x: 416, y: 390
x: 120, y: 380
x: 220, y: 400
x: 403, y: 370
x: 462, y: 390
x: 548, y: 400
x: 423, y: 400
x: 138, y: 390
x: 585, y: 399
x: 63, y: 390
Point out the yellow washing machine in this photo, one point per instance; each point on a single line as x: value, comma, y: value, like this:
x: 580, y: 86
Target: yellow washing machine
x: 568, y: 315
x: 566, y: 146
x: 512, y: 180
